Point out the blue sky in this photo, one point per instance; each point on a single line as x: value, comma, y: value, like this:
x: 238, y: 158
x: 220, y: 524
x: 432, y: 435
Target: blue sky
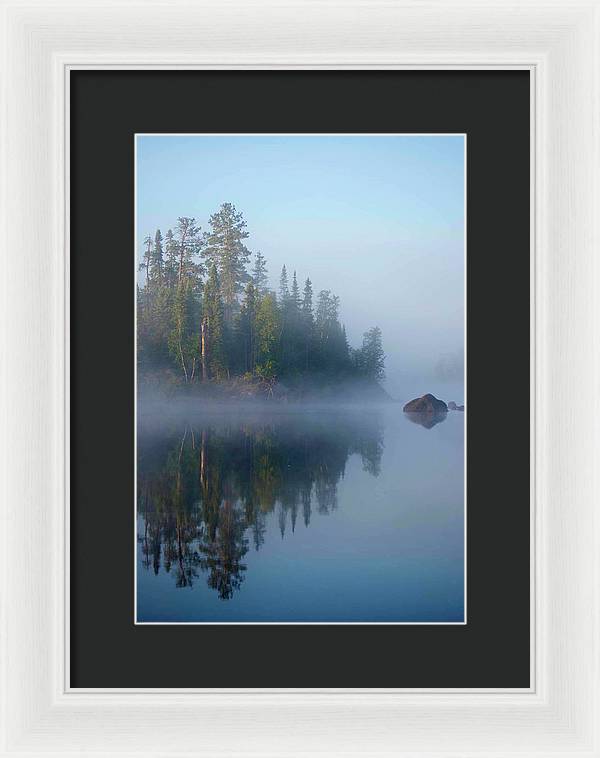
x: 379, y: 220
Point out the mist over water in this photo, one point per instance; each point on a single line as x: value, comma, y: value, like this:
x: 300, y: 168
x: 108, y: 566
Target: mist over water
x: 378, y: 220
x: 299, y: 283
x: 299, y: 513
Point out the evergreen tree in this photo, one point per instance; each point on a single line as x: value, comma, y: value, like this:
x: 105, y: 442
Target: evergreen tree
x: 157, y: 263
x: 259, y: 274
x: 326, y: 318
x: 333, y: 351
x: 295, y: 294
x: 284, y: 321
x: 183, y: 326
x: 147, y: 260
x: 267, y: 336
x: 188, y: 246
x: 307, y: 301
x: 183, y: 338
x: 212, y: 338
x: 171, y: 257
x: 372, y: 357
x: 284, y: 289
x: 225, y: 249
x: 247, y: 328
x: 307, y: 323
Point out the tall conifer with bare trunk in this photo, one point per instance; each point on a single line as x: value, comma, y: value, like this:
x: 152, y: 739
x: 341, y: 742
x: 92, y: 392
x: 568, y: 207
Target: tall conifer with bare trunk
x: 224, y: 247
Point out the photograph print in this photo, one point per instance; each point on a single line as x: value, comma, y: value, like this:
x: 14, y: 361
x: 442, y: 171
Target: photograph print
x: 300, y: 379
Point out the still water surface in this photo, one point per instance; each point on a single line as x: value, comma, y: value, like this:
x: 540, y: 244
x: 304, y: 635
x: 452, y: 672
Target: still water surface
x: 300, y: 514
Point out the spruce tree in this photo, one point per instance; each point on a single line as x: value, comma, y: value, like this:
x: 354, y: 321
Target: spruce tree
x: 182, y: 325
x: 259, y: 274
x: 147, y: 260
x: 284, y: 289
x: 156, y: 266
x: 171, y: 257
x: 307, y: 300
x: 295, y: 294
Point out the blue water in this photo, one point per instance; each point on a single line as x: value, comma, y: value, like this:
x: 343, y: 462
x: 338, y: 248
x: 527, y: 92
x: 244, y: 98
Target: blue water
x: 300, y: 515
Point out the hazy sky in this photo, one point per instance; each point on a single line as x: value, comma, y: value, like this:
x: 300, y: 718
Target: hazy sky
x: 377, y: 220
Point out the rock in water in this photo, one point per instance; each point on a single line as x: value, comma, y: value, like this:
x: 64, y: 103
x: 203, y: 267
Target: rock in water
x: 426, y: 418
x: 426, y: 404
x: 452, y: 405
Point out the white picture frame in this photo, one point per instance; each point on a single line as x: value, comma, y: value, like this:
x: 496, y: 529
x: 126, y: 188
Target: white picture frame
x: 559, y: 42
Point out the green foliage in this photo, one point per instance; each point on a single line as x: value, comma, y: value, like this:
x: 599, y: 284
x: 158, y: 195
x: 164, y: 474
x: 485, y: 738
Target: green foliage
x: 157, y: 262
x: 193, y: 318
x: 284, y: 289
x: 295, y: 294
x: 246, y: 329
x: 259, y: 274
x: 212, y: 315
x: 188, y: 245
x: 267, y: 336
x: 224, y: 247
x: 170, y: 267
x: 183, y: 337
x: 370, y: 359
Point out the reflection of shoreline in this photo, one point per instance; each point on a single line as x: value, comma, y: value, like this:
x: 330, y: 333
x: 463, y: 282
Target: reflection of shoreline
x: 205, y: 490
x: 428, y: 419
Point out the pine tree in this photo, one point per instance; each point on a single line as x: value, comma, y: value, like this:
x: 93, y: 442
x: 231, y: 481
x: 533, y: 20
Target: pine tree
x: 188, y: 241
x: 183, y: 325
x: 259, y: 274
x: 225, y: 249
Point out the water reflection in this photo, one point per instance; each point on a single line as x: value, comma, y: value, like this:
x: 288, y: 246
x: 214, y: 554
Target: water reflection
x: 428, y: 419
x: 206, y: 489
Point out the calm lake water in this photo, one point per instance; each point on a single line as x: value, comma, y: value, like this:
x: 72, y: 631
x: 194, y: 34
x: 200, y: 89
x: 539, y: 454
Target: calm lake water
x: 300, y: 514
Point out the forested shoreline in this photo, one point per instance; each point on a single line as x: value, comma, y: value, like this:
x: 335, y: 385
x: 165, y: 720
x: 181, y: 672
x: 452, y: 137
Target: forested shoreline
x: 206, y: 316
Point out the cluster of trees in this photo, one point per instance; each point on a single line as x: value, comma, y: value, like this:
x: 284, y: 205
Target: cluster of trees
x: 207, y: 313
x: 202, y: 497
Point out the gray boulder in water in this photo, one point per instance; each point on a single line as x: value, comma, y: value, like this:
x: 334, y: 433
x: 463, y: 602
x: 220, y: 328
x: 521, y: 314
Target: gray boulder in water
x: 426, y: 404
x: 453, y: 407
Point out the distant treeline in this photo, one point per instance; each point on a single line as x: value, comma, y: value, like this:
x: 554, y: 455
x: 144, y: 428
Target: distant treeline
x: 204, y: 316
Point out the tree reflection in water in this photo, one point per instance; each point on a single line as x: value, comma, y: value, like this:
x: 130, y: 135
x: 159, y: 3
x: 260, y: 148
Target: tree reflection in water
x: 205, y: 491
